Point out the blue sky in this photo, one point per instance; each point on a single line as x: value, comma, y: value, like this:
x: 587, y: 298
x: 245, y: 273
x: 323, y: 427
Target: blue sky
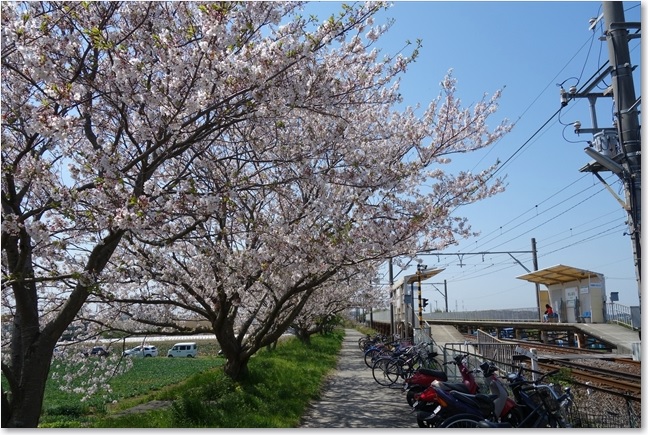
x: 527, y: 48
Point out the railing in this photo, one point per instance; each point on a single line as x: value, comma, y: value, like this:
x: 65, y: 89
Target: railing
x: 610, y: 413
x: 615, y: 313
x: 515, y: 315
x: 623, y: 315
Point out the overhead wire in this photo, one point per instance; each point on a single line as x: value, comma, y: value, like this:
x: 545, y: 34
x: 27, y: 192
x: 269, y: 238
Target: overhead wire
x: 536, y: 207
x: 528, y: 141
x: 461, y: 276
x: 487, y: 270
x: 552, y: 218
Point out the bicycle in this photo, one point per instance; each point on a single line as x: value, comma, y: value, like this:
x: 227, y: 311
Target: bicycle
x: 379, y: 350
x: 541, y: 404
x: 367, y: 341
x: 388, y: 370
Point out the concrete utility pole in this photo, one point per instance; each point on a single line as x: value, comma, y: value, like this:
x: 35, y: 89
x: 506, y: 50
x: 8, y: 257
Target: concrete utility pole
x: 617, y: 148
x: 627, y: 120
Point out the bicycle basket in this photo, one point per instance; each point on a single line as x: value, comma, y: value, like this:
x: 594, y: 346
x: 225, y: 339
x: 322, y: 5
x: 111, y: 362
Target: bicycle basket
x: 544, y: 396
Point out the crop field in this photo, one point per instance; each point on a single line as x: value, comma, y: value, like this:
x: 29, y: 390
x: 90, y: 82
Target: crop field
x: 191, y: 392
x: 147, y: 376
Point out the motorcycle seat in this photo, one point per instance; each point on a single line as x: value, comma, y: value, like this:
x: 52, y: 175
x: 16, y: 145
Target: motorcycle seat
x: 483, y: 402
x: 453, y: 386
x: 435, y: 373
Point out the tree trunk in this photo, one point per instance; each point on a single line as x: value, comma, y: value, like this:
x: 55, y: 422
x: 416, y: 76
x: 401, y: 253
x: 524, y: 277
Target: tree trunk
x: 236, y: 367
x: 32, y: 345
x: 24, y: 404
x: 303, y: 335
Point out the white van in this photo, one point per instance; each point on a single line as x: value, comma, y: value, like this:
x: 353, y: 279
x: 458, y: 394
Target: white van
x: 190, y: 350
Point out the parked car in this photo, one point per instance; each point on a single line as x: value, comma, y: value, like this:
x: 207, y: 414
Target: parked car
x: 189, y: 350
x: 98, y: 351
x: 142, y: 351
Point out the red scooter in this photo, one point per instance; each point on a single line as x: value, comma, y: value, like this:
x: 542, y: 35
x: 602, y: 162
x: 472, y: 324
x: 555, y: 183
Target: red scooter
x: 434, y: 404
x: 423, y: 378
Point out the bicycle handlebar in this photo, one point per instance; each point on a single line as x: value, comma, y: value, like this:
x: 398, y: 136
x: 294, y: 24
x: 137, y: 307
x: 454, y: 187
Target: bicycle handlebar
x: 456, y: 360
x: 520, y: 380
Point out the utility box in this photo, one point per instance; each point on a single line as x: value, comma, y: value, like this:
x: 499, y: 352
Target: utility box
x: 577, y: 295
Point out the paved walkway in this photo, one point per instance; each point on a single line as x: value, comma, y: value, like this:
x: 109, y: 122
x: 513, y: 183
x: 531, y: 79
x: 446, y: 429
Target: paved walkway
x: 352, y: 398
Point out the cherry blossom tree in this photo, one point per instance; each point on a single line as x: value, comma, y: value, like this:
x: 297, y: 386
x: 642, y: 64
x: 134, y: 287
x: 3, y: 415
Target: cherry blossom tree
x: 335, y: 300
x: 288, y: 206
x: 219, y: 160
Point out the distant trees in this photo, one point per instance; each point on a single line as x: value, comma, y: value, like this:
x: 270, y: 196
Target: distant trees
x: 225, y: 161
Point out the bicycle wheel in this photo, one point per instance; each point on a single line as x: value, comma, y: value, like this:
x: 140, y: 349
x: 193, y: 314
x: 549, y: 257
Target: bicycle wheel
x: 361, y: 342
x: 394, y: 371
x: 463, y: 421
x: 433, y: 364
x: 379, y: 372
x: 370, y: 356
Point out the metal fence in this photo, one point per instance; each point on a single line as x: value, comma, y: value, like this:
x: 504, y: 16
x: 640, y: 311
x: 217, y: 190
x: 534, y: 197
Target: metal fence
x: 623, y: 315
x: 592, y: 409
x: 516, y: 315
x: 614, y: 313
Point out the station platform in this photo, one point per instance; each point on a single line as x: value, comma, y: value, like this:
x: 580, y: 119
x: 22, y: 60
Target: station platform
x: 621, y: 338
x: 442, y: 334
x: 616, y: 337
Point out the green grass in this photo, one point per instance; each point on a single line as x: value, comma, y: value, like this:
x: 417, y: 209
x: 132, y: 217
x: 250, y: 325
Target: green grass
x: 281, y: 384
x: 147, y: 379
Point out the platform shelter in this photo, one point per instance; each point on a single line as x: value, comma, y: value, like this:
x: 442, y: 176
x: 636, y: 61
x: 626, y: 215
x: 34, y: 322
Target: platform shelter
x: 577, y: 295
x: 404, y: 301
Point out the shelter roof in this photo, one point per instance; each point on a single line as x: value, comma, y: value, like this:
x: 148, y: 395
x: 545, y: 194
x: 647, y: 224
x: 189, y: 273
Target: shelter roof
x: 559, y: 274
x: 426, y: 274
x: 409, y: 279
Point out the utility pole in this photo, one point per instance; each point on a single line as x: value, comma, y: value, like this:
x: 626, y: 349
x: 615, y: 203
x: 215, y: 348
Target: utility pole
x: 617, y: 148
x: 391, y: 296
x: 445, y: 294
x: 627, y: 120
x: 535, y: 268
x: 419, y: 269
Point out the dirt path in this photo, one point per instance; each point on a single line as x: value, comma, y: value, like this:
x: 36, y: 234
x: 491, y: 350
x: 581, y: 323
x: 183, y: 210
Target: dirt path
x: 144, y: 407
x: 353, y: 399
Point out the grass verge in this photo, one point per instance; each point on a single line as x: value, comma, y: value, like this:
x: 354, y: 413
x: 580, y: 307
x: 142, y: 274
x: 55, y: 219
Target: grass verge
x: 281, y: 384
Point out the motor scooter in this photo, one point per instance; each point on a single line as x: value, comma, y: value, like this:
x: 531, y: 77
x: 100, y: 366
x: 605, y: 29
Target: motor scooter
x: 434, y: 404
x: 423, y: 378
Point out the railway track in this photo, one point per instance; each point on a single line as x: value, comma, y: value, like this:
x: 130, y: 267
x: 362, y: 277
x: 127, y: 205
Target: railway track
x: 603, y: 378
x: 624, y: 378
x: 552, y: 348
x: 605, y: 370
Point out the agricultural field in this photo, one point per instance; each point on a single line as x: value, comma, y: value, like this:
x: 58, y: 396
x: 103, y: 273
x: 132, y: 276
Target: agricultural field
x: 281, y: 383
x: 148, y: 376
